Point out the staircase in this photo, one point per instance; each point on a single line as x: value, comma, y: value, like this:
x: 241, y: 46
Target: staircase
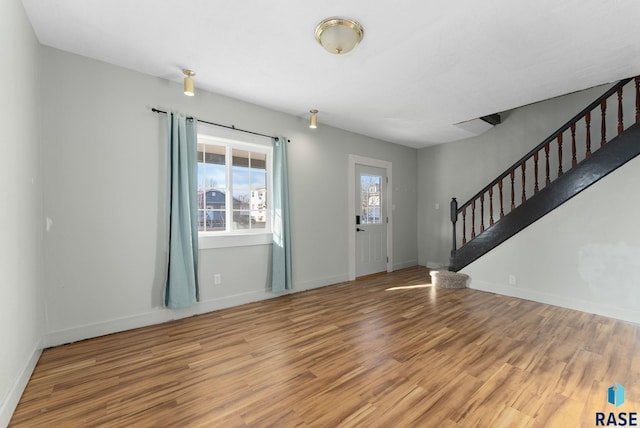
x: 577, y: 155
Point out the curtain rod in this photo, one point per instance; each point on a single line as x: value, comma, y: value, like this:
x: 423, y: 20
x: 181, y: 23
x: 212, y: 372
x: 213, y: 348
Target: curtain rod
x: 155, y: 110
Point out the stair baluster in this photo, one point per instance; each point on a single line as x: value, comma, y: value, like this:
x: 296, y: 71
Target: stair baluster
x: 512, y: 174
x: 620, y: 113
x: 559, y: 155
x: 546, y: 154
x: 574, y: 161
x: 523, y: 167
x: 535, y: 172
x: 587, y: 120
x: 464, y: 225
x: 637, y: 80
x: 501, y: 199
x: 491, y: 206
x: 473, y: 219
x: 603, y: 129
x: 482, y: 213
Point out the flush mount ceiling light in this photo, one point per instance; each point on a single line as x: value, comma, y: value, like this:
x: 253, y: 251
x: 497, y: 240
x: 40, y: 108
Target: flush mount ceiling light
x: 339, y: 35
x: 189, y: 89
x: 313, y: 120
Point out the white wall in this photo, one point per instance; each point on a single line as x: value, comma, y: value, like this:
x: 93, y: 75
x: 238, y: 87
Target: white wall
x: 584, y: 255
x: 104, y: 171
x: 21, y: 260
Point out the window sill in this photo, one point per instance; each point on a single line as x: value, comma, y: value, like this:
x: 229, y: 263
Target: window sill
x: 207, y: 241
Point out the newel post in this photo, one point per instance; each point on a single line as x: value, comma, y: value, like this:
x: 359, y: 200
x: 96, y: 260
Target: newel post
x: 454, y: 220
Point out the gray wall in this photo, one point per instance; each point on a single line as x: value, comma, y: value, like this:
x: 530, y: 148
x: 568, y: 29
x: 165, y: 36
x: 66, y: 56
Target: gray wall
x: 583, y: 255
x: 21, y: 260
x: 104, y: 175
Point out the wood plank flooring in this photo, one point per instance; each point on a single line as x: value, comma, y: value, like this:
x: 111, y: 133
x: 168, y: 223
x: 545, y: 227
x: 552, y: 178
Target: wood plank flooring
x: 387, y: 351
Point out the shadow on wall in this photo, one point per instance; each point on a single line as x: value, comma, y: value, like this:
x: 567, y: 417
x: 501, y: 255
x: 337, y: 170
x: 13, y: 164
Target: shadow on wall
x: 159, y: 278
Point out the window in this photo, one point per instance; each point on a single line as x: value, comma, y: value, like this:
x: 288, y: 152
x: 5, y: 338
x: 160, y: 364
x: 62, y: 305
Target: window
x: 370, y: 199
x: 233, y: 186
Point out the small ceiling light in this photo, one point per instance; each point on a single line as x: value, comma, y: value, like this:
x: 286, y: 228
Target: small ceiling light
x: 339, y: 35
x: 313, y: 121
x: 188, y: 82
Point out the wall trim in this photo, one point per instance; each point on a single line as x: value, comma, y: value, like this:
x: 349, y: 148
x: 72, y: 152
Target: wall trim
x: 15, y: 393
x: 162, y: 315
x: 405, y: 264
x: 159, y: 316
x: 555, y: 300
x: 437, y: 265
x: 320, y: 282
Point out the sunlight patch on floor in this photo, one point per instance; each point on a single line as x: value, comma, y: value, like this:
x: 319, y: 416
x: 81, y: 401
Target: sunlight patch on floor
x: 409, y: 287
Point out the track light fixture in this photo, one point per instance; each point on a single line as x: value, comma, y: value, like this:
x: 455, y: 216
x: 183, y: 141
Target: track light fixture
x: 313, y: 120
x: 189, y: 87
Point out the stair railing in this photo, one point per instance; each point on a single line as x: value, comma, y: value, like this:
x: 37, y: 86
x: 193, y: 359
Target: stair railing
x: 483, y: 206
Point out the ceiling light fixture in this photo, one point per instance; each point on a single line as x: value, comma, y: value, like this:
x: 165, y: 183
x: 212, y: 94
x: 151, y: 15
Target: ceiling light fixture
x: 339, y: 35
x: 313, y: 120
x: 189, y: 88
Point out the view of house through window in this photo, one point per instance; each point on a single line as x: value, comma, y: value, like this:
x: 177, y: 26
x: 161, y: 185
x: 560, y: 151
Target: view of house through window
x: 232, y: 186
x: 370, y: 199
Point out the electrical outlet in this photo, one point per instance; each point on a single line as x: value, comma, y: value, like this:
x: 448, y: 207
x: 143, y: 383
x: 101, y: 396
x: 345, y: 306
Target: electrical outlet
x: 512, y: 280
x: 437, y: 206
x: 217, y: 279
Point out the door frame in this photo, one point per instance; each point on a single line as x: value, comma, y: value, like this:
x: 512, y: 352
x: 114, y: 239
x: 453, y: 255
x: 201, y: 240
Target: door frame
x: 351, y: 211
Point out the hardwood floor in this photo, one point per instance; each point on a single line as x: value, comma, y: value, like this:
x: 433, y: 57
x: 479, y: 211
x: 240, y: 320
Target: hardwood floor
x: 387, y: 351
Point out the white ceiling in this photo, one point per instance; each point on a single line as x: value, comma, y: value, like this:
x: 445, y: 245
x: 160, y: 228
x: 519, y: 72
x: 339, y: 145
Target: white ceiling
x: 422, y: 67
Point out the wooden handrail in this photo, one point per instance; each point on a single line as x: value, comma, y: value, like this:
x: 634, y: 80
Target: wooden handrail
x: 548, y: 140
x: 555, y: 139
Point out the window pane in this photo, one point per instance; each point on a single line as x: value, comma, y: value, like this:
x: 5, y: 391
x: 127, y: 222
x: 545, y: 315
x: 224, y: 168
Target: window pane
x: 241, y: 181
x: 216, y: 209
x: 259, y: 198
x: 211, y: 220
x: 215, y: 154
x: 370, y: 199
x: 211, y: 187
x: 240, y: 158
x: 259, y: 190
x: 259, y: 161
x: 200, y: 152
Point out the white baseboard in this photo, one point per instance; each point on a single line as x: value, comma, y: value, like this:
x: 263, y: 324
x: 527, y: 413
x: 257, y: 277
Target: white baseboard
x: 437, y: 265
x: 405, y: 264
x: 160, y: 315
x: 9, y: 405
x: 555, y: 300
x: 320, y: 282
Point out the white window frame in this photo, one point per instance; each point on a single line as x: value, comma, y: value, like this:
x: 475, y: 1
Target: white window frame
x: 229, y: 237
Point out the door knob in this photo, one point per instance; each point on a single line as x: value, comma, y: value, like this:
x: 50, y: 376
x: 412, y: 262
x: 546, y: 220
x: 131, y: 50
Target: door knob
x: 359, y: 230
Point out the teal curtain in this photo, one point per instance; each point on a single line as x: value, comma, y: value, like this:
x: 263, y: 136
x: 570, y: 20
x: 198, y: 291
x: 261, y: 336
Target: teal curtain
x: 181, y: 289
x: 281, y: 278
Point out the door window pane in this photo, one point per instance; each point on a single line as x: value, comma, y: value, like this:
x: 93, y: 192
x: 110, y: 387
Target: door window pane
x: 370, y: 199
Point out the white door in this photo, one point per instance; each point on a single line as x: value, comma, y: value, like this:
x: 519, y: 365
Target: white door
x: 371, y: 220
